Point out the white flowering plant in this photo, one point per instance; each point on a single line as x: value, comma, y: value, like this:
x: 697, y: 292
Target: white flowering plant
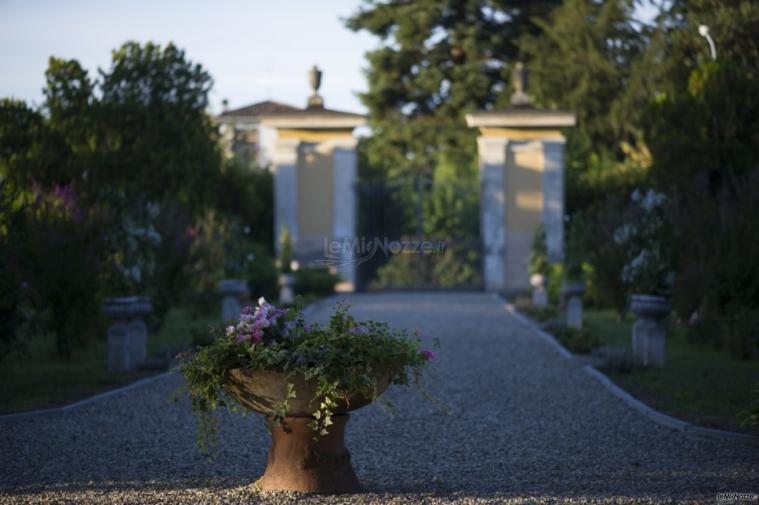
x: 646, y: 237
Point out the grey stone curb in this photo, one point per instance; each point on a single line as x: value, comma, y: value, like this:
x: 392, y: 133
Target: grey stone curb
x: 309, y: 309
x: 656, y: 416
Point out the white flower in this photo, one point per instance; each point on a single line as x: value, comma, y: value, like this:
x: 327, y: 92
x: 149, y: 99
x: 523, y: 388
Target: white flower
x: 623, y: 234
x: 652, y: 199
x: 261, y: 301
x: 230, y: 330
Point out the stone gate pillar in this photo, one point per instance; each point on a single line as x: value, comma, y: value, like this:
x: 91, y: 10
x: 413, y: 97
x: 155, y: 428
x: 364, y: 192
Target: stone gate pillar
x: 315, y: 176
x: 521, y: 155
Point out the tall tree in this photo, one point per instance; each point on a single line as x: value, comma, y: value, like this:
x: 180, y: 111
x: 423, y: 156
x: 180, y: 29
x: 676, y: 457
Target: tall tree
x: 581, y: 59
x: 438, y: 60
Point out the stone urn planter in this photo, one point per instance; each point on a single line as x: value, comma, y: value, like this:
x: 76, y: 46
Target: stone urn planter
x: 127, y: 335
x: 298, y: 459
x: 573, y: 291
x: 648, y: 333
x: 233, y: 292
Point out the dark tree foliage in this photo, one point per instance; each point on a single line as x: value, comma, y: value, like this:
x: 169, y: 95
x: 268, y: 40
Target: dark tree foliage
x: 140, y: 132
x: 437, y: 60
x: 110, y: 171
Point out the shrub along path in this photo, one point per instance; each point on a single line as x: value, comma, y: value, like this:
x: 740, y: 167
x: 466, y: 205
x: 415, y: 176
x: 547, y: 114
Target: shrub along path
x: 525, y: 423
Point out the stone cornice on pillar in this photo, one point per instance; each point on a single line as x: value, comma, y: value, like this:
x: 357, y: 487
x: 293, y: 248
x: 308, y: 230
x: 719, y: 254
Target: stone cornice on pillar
x: 316, y: 119
x: 521, y: 117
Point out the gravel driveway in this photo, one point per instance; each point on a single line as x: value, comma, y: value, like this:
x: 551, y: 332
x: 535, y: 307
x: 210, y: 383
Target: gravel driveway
x: 526, y: 425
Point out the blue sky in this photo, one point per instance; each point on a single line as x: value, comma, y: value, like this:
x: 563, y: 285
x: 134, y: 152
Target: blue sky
x: 255, y: 50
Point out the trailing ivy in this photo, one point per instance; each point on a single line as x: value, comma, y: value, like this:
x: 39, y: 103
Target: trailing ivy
x: 342, y: 357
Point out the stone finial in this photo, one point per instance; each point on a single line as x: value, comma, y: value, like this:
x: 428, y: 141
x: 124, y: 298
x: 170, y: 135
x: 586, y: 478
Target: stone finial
x: 519, y: 82
x: 315, y: 101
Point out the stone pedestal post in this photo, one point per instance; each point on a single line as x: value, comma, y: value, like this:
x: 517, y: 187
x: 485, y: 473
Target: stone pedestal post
x: 233, y: 292
x: 574, y: 313
x: 286, y: 294
x: 648, y: 342
x: 539, y: 295
x: 128, y: 333
x: 648, y: 332
x: 573, y: 291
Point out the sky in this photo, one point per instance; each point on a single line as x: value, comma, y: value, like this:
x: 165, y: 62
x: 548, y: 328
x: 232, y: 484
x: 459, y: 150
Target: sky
x: 255, y: 50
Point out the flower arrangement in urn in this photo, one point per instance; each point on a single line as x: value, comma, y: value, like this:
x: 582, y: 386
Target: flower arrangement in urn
x: 305, y: 377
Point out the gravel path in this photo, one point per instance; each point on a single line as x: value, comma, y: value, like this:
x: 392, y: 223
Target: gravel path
x: 526, y: 425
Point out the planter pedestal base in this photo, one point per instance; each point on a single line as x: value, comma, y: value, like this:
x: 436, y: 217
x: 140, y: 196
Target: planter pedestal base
x: 297, y: 462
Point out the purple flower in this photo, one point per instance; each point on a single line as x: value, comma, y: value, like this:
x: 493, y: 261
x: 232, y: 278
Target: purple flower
x: 427, y: 354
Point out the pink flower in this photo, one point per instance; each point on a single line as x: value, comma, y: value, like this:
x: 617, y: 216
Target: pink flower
x: 427, y: 354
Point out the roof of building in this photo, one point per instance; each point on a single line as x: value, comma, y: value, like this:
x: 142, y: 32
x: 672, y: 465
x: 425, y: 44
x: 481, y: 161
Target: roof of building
x: 272, y: 108
x: 266, y: 108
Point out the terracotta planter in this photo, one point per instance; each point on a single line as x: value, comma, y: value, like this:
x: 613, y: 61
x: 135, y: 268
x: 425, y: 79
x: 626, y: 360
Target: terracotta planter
x: 299, y: 461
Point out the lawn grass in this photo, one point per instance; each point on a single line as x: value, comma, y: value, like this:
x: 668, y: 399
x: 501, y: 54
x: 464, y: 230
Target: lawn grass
x: 698, y: 383
x: 42, y: 380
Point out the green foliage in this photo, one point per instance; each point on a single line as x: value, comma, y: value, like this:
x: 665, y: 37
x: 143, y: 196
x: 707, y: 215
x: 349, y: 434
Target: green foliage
x: 314, y: 281
x: 574, y: 250
x: 221, y: 247
x: 56, y: 247
x: 341, y: 357
x: 581, y: 59
x: 578, y: 341
x: 555, y: 282
x: 285, y: 251
x: 707, y: 130
x: 541, y: 314
x: 719, y: 271
x: 751, y: 416
x: 261, y: 271
x: 607, y: 257
x: 247, y: 194
x: 705, y: 153
x: 539, y: 262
